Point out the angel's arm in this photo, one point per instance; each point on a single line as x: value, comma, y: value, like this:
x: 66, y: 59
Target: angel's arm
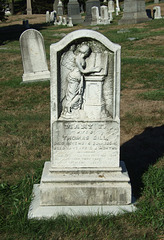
x: 86, y: 71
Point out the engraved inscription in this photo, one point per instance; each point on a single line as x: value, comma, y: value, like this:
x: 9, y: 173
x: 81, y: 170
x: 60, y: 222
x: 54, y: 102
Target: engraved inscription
x: 80, y: 144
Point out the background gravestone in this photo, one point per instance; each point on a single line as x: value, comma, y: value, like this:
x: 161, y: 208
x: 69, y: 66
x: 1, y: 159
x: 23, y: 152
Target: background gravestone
x: 85, y: 175
x: 134, y: 12
x: 95, y: 16
x: 74, y: 11
x: 55, y: 5
x: 29, y: 8
x: 33, y: 56
x: 89, y: 5
x: 60, y: 8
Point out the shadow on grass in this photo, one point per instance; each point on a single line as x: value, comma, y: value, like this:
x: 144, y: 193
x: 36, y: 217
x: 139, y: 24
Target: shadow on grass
x: 13, y: 32
x: 140, y: 152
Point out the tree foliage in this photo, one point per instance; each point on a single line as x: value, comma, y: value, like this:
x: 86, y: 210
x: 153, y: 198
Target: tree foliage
x: 41, y: 6
x: 2, y: 10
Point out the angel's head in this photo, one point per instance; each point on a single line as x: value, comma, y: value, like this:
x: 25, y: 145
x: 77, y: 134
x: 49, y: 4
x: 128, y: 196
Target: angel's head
x: 85, y: 50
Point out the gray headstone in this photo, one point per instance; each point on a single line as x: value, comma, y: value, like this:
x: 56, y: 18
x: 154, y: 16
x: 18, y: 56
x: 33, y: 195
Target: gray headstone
x: 74, y: 11
x: 89, y: 5
x: 85, y: 175
x: 33, y: 56
x: 134, y: 12
x: 55, y: 5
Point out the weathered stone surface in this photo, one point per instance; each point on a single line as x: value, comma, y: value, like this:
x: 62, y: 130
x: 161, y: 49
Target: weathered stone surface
x: 70, y: 24
x: 110, y: 6
x: 89, y: 5
x: 74, y: 11
x: 29, y: 8
x: 134, y: 12
x: 104, y: 15
x: 85, y: 169
x: 60, y: 8
x: 47, y: 17
x: 157, y: 12
x: 33, y: 56
x: 95, y: 15
x: 37, y: 211
x: 55, y: 5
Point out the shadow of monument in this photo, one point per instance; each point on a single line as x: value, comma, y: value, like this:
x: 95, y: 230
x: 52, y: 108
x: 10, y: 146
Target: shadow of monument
x: 140, y: 152
x: 13, y: 32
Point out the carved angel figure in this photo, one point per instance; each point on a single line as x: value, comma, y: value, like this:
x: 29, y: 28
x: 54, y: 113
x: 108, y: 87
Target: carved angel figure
x: 75, y: 77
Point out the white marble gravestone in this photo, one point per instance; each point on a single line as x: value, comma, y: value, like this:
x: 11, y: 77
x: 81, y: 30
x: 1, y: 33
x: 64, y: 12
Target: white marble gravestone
x: 95, y: 15
x: 85, y: 175
x: 33, y: 56
x: 157, y: 12
x: 117, y: 6
x: 64, y: 21
x: 47, y: 17
x: 111, y: 6
x: 70, y: 24
x: 104, y: 15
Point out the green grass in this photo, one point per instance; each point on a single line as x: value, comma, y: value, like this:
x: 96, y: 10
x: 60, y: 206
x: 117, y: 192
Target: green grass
x: 15, y: 200
x: 156, y: 95
x: 25, y: 139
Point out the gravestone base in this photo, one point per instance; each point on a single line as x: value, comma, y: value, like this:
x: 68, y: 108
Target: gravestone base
x: 134, y: 12
x: 133, y: 18
x: 36, y: 211
x: 38, y: 76
x: 82, y: 192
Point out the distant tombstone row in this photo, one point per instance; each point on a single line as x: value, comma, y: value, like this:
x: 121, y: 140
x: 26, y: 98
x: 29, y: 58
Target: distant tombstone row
x: 33, y: 56
x: 50, y: 17
x: 103, y: 18
x: 63, y: 21
x: 134, y: 12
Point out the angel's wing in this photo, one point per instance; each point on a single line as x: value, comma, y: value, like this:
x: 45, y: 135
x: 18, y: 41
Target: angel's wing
x: 67, y: 64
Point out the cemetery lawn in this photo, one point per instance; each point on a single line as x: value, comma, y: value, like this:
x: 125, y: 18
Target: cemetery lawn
x: 25, y: 135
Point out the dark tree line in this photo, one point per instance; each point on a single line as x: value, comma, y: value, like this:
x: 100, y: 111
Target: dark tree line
x: 2, y: 10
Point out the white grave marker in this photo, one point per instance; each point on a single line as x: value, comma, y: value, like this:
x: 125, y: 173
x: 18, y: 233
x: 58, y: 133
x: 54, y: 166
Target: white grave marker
x: 95, y: 16
x: 33, y: 56
x: 104, y: 15
x: 47, y: 17
x: 70, y: 24
x: 85, y: 175
x: 157, y: 12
